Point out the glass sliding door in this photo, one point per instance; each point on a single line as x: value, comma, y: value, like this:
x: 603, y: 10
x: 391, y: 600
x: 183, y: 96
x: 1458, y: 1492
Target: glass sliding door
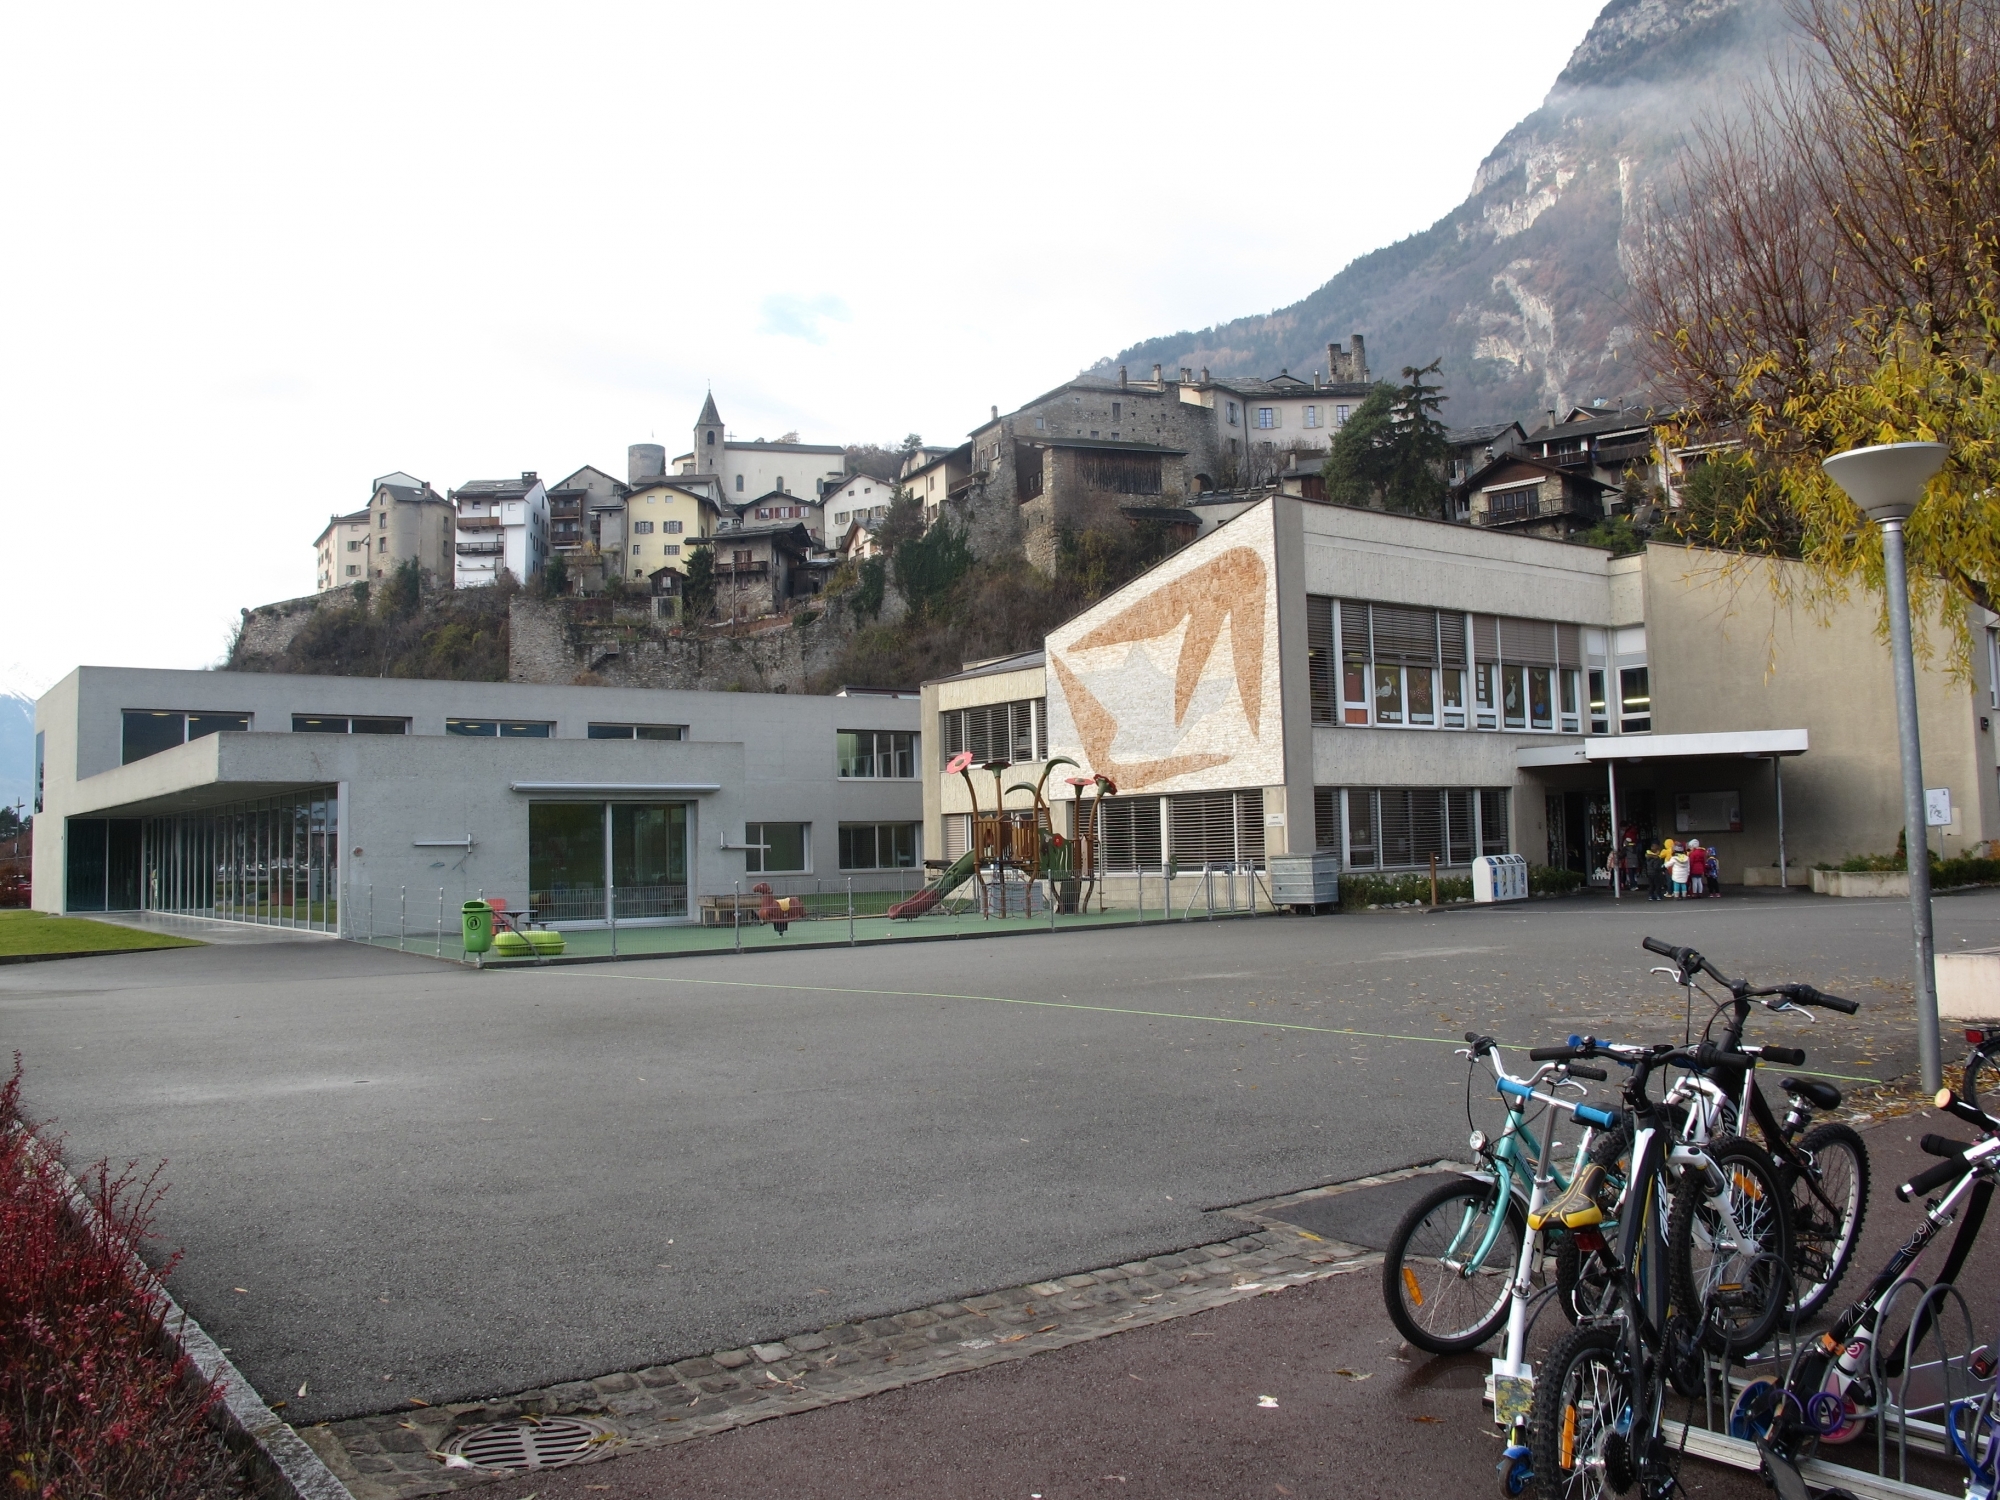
x: 589, y: 861
x: 649, y: 859
x: 566, y: 861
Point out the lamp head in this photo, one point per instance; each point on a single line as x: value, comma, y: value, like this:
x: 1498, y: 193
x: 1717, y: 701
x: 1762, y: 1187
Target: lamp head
x: 1887, y: 480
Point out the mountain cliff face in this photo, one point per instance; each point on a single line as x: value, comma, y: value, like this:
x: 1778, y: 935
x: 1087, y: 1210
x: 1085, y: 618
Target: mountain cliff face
x: 1522, y: 288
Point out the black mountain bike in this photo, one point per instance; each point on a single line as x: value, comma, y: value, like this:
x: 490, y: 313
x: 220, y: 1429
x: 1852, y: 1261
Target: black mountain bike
x: 1595, y: 1420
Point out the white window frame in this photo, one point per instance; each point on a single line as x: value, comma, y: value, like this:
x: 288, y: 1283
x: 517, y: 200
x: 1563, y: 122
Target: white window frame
x: 1267, y: 419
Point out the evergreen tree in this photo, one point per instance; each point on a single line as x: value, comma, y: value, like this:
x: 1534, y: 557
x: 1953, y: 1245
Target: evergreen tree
x: 1391, y: 453
x: 698, y: 601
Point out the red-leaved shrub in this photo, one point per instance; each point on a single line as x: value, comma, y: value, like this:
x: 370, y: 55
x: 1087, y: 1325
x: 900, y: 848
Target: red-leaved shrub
x: 94, y: 1403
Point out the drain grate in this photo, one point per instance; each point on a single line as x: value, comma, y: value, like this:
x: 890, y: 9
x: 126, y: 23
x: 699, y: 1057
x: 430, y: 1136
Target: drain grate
x: 551, y: 1443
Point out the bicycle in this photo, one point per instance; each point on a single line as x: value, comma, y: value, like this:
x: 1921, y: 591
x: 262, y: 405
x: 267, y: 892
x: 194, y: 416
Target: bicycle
x: 1824, y: 1170
x: 1829, y: 1395
x: 1459, y: 1261
x: 1595, y: 1417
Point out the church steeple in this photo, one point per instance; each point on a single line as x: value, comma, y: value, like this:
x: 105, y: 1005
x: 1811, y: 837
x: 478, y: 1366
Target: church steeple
x: 708, y: 438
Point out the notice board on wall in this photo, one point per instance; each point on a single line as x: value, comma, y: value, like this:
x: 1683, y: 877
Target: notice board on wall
x: 1708, y: 812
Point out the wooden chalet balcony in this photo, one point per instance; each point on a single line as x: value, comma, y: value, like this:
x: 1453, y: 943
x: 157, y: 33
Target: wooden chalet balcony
x: 478, y: 523
x: 481, y: 549
x: 1616, y: 455
x: 1511, y: 510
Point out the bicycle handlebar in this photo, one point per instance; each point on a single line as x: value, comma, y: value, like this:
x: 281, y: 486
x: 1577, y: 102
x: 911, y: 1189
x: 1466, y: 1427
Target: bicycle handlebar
x: 1585, y: 1070
x: 1784, y: 1057
x: 1944, y: 1145
x: 1960, y: 1159
x: 1689, y: 961
x: 1935, y: 1177
x: 1951, y: 1103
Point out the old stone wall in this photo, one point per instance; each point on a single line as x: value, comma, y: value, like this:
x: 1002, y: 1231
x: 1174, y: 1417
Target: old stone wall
x: 552, y: 641
x: 266, y: 632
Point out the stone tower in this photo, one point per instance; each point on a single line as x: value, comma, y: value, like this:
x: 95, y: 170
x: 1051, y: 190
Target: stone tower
x: 708, y: 438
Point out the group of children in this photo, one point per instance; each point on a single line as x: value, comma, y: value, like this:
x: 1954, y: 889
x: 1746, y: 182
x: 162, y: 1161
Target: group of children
x: 1690, y: 869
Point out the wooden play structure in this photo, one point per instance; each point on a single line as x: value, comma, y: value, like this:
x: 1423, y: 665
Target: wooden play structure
x: 1013, y: 850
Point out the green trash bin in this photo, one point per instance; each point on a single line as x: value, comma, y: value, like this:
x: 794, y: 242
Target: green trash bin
x: 478, y: 927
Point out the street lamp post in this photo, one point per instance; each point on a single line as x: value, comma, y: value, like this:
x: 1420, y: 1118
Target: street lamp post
x: 1886, y: 481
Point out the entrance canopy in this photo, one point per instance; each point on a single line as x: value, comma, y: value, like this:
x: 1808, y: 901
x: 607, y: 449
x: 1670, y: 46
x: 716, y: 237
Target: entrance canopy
x: 1744, y: 744
x: 1753, y: 744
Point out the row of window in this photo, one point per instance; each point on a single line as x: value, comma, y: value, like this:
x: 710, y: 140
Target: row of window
x: 1402, y: 828
x: 786, y: 848
x: 645, y: 528
x: 872, y: 754
x: 1013, y: 732
x: 1393, y: 665
x: 876, y: 753
x: 1270, y: 418
x: 1223, y: 830
x: 667, y: 549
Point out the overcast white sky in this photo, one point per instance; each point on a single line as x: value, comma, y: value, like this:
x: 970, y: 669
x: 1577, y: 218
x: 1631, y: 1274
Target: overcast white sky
x: 257, y: 255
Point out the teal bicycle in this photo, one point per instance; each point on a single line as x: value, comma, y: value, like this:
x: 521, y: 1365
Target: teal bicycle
x: 1462, y: 1262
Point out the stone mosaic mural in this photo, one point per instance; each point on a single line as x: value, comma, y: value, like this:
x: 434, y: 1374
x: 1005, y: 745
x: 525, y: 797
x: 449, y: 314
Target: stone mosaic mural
x: 1176, y: 689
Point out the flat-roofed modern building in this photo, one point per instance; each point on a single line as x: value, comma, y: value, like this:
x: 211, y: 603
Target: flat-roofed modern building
x: 298, y: 800
x: 1309, y: 677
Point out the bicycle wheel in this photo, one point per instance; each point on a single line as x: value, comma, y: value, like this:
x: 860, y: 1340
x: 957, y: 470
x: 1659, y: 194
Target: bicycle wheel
x: 1583, y: 1280
x: 1438, y: 1300
x: 1581, y: 1401
x: 1735, y: 1287
x: 1822, y: 1242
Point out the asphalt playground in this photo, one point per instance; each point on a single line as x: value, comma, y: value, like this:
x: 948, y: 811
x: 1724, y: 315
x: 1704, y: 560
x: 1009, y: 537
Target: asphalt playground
x: 394, y: 1178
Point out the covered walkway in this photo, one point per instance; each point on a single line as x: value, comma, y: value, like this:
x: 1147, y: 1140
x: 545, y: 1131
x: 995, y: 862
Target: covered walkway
x: 1677, y: 786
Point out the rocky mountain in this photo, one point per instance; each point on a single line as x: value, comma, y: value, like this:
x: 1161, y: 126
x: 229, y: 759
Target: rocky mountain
x: 1522, y: 288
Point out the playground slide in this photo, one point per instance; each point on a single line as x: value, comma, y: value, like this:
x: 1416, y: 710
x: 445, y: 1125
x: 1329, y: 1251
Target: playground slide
x: 955, y: 875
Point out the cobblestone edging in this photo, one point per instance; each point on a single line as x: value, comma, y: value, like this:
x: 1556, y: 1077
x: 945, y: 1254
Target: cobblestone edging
x: 395, y: 1456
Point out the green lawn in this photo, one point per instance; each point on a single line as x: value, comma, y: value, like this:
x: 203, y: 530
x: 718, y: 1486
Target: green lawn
x: 37, y: 932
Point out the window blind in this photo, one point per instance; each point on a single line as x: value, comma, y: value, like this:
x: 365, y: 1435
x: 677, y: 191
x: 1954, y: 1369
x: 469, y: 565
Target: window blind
x: 1406, y: 636
x: 1354, y: 642
x: 1129, y: 833
x: 1319, y: 658
x: 1485, y: 638
x: 1531, y: 643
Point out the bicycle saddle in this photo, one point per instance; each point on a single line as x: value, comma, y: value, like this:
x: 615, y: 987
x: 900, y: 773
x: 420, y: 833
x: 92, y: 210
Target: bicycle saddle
x: 1581, y: 1205
x: 1816, y: 1092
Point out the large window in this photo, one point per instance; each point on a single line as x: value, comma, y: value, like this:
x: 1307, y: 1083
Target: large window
x: 777, y: 848
x: 589, y: 861
x: 275, y: 862
x: 1635, y: 701
x: 1401, y: 828
x: 876, y: 753
x: 1408, y: 667
x: 506, y: 729
x: 1013, y: 732
x: 341, y: 724
x: 878, y: 846
x: 637, y: 732
x: 1267, y: 416
x: 148, y: 731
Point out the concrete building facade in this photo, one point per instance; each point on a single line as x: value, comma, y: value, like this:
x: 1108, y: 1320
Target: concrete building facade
x: 310, y: 801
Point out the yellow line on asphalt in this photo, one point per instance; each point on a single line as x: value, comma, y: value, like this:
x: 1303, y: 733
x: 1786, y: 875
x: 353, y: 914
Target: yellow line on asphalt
x: 1114, y: 1010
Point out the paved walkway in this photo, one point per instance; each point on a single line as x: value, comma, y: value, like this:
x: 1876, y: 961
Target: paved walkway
x: 1174, y: 1407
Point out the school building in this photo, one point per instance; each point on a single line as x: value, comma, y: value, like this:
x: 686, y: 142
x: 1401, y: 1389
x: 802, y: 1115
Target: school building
x: 1308, y: 677
x: 334, y: 803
